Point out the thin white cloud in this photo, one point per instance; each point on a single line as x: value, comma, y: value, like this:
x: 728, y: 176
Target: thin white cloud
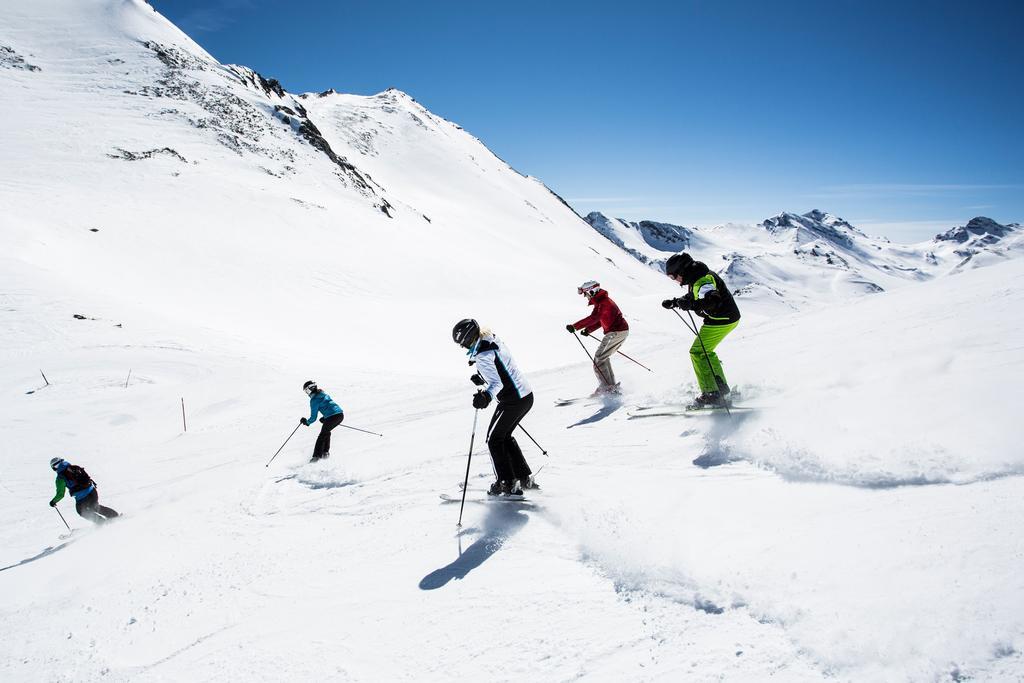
x: 907, y: 189
x: 906, y: 231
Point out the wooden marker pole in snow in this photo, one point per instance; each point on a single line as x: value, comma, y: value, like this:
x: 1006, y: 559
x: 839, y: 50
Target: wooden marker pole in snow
x: 128, y: 378
x: 44, y: 378
x: 183, y: 424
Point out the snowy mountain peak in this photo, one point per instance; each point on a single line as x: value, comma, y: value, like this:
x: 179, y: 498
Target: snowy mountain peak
x: 981, y: 242
x: 981, y: 227
x: 640, y: 238
x: 812, y: 225
x: 792, y: 260
x: 303, y: 204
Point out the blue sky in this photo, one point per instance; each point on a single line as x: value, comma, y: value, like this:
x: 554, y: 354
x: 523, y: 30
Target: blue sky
x: 903, y: 117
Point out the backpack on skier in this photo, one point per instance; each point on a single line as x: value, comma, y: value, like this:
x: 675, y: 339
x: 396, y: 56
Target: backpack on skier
x: 77, y: 478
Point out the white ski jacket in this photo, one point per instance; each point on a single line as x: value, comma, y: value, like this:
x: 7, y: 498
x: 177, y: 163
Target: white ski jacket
x: 499, y: 370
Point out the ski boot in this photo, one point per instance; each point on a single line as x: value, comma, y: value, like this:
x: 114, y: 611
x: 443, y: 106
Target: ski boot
x: 515, y: 488
x: 498, y: 488
x: 529, y: 483
x: 709, y: 399
x: 607, y: 390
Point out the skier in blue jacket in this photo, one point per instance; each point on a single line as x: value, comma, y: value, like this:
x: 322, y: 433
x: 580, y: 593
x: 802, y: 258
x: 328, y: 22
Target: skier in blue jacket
x: 321, y: 402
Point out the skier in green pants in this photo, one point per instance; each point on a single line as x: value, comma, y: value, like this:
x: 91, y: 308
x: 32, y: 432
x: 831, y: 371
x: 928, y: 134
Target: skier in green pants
x: 707, y: 296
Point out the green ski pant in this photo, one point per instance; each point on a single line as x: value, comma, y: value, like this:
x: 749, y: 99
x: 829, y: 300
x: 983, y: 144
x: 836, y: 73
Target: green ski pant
x: 711, y: 336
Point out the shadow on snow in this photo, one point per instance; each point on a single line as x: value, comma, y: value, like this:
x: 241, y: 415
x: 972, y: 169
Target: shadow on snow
x: 716, y: 452
x: 48, y: 551
x: 501, y: 522
x: 601, y: 414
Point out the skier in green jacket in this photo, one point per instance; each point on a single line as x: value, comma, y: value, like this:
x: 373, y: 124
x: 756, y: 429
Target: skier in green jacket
x: 76, y: 481
x: 707, y: 296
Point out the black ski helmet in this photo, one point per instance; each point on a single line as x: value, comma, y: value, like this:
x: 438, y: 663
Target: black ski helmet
x: 677, y: 264
x: 466, y: 332
x: 310, y: 388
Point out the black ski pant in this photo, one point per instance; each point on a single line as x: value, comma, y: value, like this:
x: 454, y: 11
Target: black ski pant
x: 90, y: 508
x: 323, y: 441
x: 506, y: 455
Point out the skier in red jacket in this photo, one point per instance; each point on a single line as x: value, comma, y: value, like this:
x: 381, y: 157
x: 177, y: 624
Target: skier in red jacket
x: 608, y: 317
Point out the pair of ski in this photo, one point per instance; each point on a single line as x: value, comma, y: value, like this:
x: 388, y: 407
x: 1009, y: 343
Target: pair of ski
x: 485, y: 498
x: 588, y: 400
x: 680, y: 410
x: 660, y: 410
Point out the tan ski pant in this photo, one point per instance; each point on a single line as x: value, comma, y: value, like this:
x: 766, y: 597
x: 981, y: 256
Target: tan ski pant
x: 602, y: 357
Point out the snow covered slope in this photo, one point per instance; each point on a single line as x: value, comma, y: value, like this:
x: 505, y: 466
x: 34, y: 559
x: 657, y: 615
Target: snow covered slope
x: 859, y: 522
x: 223, y: 201
x: 796, y: 261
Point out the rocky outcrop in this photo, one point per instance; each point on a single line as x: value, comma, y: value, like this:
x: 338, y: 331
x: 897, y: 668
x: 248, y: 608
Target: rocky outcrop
x: 9, y: 59
x: 979, y: 229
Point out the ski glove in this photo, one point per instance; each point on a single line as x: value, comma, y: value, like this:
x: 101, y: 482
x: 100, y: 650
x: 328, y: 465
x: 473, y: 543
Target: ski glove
x: 668, y: 303
x: 478, y: 380
x: 570, y: 328
x: 709, y: 302
x: 686, y: 303
x: 304, y: 421
x: 53, y: 503
x: 481, y: 400
x: 584, y: 333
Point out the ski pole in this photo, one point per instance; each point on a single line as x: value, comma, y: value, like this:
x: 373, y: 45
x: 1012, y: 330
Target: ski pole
x: 284, y: 444
x: 691, y: 329
x: 469, y: 459
x: 594, y: 362
x: 725, y: 403
x: 62, y: 518
x: 365, y: 431
x: 631, y: 358
x: 532, y: 439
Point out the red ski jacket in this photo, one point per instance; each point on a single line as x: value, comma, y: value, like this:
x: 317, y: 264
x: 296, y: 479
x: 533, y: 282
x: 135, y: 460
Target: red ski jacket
x: 606, y: 315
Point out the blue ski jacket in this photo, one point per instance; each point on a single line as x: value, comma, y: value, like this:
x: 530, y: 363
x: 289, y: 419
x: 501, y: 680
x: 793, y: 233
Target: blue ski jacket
x: 321, y: 402
x: 63, y: 485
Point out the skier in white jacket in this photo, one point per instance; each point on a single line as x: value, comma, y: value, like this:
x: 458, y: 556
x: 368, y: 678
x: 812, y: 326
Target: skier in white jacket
x: 499, y: 378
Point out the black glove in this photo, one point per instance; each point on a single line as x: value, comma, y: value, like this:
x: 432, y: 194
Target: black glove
x: 478, y: 380
x: 53, y: 503
x: 481, y: 400
x: 321, y: 420
x: 570, y: 328
x: 668, y: 303
x: 303, y: 421
x: 685, y: 303
x: 709, y: 302
x: 584, y: 333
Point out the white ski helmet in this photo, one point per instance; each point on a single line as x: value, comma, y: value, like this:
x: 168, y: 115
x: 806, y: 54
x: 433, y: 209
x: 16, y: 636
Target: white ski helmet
x: 54, y: 462
x: 589, y: 288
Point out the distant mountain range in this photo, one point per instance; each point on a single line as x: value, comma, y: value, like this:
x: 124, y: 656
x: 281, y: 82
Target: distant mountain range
x: 797, y: 259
